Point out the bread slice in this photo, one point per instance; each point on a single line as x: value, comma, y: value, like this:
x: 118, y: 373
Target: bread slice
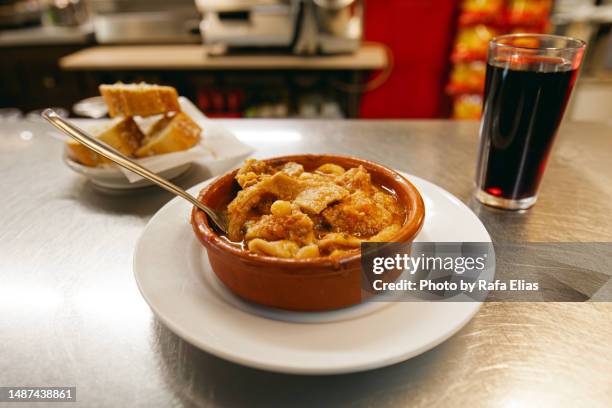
x: 124, y: 136
x: 139, y: 99
x: 170, y: 134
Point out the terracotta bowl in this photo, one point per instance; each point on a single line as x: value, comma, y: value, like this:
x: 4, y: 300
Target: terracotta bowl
x: 298, y: 284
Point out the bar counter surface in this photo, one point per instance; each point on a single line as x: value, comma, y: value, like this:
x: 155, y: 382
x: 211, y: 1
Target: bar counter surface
x: 195, y: 57
x: 71, y: 314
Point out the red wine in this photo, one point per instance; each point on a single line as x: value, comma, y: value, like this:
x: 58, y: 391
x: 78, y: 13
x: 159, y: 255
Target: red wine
x: 524, y: 103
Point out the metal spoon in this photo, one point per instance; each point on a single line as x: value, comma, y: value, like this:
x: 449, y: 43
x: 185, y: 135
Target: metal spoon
x: 217, y: 217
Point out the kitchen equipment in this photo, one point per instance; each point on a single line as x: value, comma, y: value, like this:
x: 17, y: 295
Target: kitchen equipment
x: 145, y: 21
x: 62, y: 13
x: 16, y: 13
x: 217, y: 217
x: 248, y: 24
x: 339, y: 25
x: 302, y: 26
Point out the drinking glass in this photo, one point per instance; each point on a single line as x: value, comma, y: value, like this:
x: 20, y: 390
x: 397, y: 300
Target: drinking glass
x: 529, y: 80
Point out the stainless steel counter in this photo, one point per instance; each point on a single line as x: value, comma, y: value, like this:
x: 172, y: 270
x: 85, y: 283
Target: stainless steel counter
x: 70, y: 312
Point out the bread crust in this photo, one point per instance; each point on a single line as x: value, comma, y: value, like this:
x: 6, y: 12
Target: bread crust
x: 125, y: 136
x: 139, y: 99
x: 170, y: 134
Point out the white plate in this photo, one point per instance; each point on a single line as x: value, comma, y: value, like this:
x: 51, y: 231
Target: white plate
x: 173, y: 274
x: 218, y: 150
x: 113, y: 179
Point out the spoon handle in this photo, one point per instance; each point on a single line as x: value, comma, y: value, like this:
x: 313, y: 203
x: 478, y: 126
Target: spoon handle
x: 119, y: 158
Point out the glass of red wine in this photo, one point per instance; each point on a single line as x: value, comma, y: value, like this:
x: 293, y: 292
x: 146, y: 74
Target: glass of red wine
x: 528, y: 83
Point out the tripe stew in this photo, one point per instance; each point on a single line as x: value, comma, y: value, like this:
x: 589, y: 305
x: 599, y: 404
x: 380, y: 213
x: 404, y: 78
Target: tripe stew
x: 287, y: 212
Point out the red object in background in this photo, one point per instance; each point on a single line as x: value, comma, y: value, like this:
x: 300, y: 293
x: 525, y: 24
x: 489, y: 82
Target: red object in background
x: 217, y: 103
x: 419, y: 33
x: 479, y: 21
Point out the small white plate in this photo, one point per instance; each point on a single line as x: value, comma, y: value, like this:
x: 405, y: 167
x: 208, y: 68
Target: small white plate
x: 112, y: 178
x: 174, y: 277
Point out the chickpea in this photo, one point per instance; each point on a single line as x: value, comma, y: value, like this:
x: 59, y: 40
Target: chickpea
x: 308, y: 251
x: 280, y: 208
x: 330, y: 168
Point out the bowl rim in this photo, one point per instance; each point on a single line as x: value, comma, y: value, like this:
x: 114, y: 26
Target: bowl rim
x: 409, y: 230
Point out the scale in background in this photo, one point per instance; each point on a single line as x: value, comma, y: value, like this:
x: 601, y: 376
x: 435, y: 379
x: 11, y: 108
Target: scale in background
x: 298, y: 26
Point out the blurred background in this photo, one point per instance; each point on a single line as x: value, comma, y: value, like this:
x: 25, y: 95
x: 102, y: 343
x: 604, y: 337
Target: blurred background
x: 284, y: 58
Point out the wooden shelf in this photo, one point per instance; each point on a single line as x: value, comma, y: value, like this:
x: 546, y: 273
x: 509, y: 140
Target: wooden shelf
x: 194, y: 57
